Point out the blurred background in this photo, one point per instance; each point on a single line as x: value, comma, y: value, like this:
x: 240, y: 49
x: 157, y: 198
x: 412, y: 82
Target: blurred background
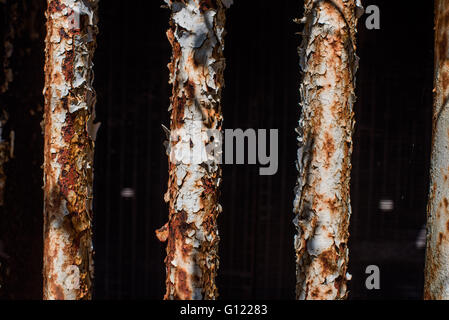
x: 390, y: 160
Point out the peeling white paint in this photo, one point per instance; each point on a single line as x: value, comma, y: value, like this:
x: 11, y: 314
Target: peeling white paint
x: 197, y: 76
x: 322, y: 204
x: 68, y: 265
x: 437, y: 252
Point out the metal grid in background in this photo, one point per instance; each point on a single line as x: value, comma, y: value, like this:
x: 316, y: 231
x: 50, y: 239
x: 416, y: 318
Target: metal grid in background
x: 390, y: 159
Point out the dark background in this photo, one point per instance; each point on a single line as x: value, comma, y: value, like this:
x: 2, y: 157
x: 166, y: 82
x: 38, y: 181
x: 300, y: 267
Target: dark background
x: 390, y: 161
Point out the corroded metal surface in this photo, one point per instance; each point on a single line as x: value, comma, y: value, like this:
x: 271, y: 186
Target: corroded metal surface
x: 322, y: 205
x: 69, y: 147
x: 196, y: 32
x: 437, y: 253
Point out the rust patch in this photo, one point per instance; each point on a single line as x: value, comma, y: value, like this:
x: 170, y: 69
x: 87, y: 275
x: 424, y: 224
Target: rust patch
x: 176, y: 51
x: 162, y: 233
x: 178, y: 110
x: 333, y: 205
x: 67, y: 65
x: 315, y: 293
x: 183, y: 288
x: 441, y: 39
x: 328, y: 261
x: 442, y: 45
x: 58, y: 292
x: 190, y: 90
x: 209, y: 185
x: 56, y: 6
x: 329, y: 148
x: 63, y: 34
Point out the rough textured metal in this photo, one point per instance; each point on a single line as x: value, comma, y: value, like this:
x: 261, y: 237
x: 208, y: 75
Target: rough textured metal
x: 322, y: 205
x: 437, y: 253
x: 196, y: 32
x: 69, y: 147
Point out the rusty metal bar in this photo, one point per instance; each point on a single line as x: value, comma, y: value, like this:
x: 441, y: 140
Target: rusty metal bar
x: 437, y: 253
x: 196, y: 34
x: 69, y: 145
x: 322, y: 206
